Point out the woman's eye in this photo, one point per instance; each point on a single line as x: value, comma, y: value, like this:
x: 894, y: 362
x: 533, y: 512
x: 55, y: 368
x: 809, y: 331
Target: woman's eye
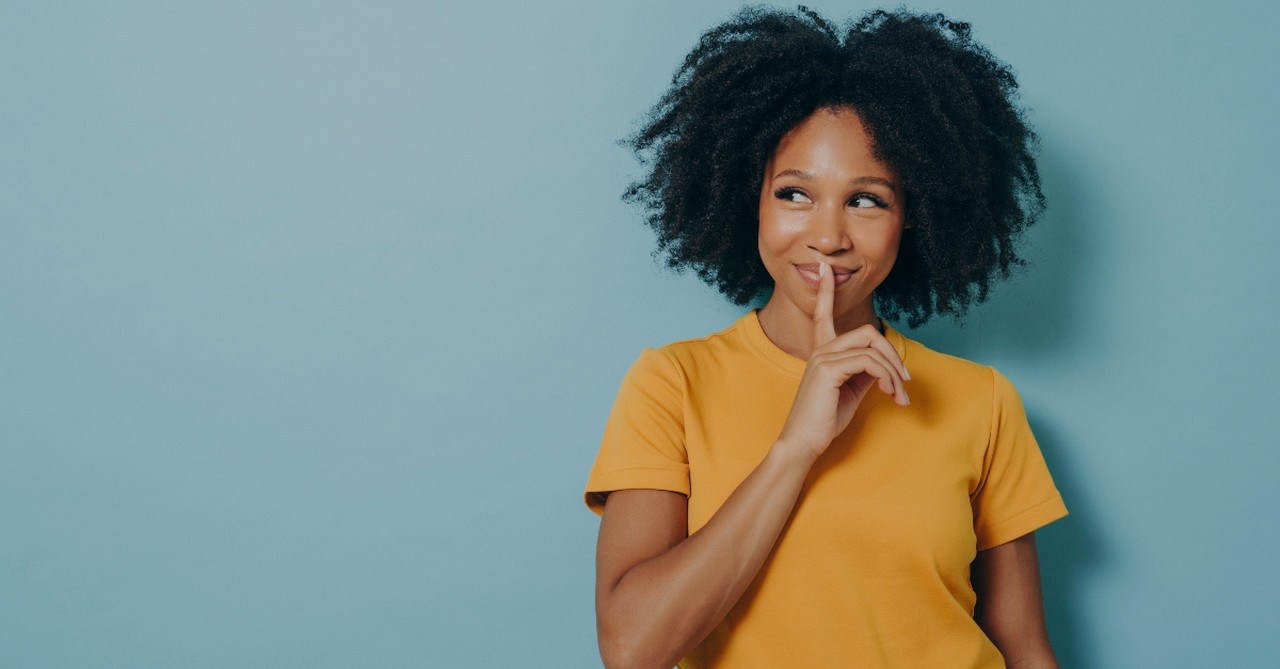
x: 866, y: 200
x: 791, y: 195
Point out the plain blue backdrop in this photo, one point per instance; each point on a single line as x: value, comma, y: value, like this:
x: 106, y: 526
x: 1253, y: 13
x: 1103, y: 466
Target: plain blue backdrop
x: 311, y: 314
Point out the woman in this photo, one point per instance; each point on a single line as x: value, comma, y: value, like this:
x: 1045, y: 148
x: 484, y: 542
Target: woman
x: 809, y: 488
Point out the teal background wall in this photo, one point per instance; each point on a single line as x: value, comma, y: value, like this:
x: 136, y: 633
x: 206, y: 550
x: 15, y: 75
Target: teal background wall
x: 311, y: 314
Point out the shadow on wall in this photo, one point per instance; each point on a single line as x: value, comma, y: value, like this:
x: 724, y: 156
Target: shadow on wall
x: 1038, y: 312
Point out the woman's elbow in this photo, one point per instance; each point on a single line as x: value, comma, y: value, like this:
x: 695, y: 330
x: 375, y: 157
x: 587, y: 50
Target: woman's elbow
x: 619, y: 655
x: 628, y: 651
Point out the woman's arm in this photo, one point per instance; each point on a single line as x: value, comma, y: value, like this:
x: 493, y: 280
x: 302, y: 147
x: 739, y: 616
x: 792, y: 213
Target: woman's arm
x: 660, y: 592
x: 1010, y: 608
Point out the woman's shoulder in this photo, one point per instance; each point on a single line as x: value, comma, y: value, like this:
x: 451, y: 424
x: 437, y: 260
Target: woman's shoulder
x: 960, y: 374
x: 695, y: 356
x: 958, y: 386
x: 732, y: 338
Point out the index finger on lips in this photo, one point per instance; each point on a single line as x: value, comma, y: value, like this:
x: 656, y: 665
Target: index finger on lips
x: 824, y: 327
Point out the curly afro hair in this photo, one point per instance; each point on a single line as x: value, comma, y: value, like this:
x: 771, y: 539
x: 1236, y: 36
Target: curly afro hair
x: 940, y: 109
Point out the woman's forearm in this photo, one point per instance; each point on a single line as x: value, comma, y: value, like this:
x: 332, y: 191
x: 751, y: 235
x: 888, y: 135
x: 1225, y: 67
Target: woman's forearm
x: 653, y: 612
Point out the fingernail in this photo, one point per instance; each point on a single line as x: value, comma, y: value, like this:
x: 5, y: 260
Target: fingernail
x: 906, y: 373
x: 908, y: 397
x: 822, y: 267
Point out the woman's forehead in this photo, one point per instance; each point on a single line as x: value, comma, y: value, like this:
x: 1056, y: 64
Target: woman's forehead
x: 831, y: 142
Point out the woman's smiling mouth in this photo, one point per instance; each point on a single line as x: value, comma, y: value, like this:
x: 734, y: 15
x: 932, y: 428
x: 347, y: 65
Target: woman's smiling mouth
x: 809, y: 273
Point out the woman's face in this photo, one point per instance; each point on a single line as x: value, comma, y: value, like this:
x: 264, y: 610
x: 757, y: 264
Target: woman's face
x: 825, y: 198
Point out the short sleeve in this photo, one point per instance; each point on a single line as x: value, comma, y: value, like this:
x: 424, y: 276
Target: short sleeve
x: 643, y: 445
x: 1016, y: 494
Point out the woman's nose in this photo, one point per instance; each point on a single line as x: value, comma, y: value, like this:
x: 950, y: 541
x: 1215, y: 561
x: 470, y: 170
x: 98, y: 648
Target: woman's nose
x: 829, y: 236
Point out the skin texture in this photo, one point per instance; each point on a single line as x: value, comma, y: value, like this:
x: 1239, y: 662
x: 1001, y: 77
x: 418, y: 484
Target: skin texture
x: 825, y: 203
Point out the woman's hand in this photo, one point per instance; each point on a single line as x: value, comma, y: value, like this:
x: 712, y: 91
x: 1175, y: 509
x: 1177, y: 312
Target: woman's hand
x: 840, y: 372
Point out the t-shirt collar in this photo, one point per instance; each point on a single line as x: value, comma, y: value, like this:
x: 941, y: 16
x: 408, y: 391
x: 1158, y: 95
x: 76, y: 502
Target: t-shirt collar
x: 790, y: 364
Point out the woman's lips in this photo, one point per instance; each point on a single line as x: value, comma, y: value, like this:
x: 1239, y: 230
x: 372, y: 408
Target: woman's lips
x: 809, y: 273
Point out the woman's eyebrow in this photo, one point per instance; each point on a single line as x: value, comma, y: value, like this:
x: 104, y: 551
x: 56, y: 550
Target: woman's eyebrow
x: 862, y: 181
x: 856, y: 181
x: 800, y: 174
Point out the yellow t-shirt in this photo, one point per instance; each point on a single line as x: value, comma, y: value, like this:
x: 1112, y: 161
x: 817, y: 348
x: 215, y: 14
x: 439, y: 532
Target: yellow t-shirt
x: 873, y: 568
